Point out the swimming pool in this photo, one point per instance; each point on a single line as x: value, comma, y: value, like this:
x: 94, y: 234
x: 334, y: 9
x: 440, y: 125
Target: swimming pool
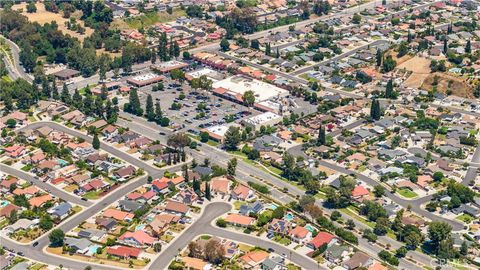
x: 310, y: 228
x: 272, y: 206
x: 139, y: 227
x: 289, y: 216
x: 92, y: 249
x: 4, y: 203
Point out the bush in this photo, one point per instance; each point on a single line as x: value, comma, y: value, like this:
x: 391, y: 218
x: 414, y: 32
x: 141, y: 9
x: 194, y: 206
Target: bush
x: 221, y: 223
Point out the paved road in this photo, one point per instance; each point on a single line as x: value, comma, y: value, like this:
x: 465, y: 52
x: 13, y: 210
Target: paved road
x: 47, y: 187
x: 17, y: 70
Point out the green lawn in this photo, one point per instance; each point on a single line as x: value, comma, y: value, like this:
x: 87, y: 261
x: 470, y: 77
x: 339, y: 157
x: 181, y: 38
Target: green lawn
x: 466, y: 218
x: 92, y: 195
x: 282, y: 240
x: 27, y: 168
x: 407, y: 193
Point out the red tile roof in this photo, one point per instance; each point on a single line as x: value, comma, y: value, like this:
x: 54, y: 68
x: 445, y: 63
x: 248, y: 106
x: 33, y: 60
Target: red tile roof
x: 125, y: 252
x: 321, y: 238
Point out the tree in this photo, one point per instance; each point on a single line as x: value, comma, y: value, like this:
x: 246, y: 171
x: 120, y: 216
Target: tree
x: 65, y: 95
x: 379, y: 57
x: 224, y: 45
x: 388, y: 64
x: 195, y: 250
x: 350, y: 224
x: 279, y: 212
x: 468, y: 47
x: 133, y: 106
x: 232, y: 166
x: 11, y: 123
x: 208, y: 194
x: 255, y: 44
x: 356, y: 19
x: 31, y: 7
x: 56, y: 238
x: 321, y: 136
x: 248, y: 98
x: 389, y: 93
x: 438, y: 231
x: 214, y: 251
x: 335, y: 215
x: 231, y: 138
x: 313, y: 210
x: 375, y: 111
x: 178, y: 141
x: 379, y: 191
x: 402, y: 49
x: 149, y: 110
x: 438, y: 176
x: 45, y: 223
x: 445, y: 45
x: 96, y: 142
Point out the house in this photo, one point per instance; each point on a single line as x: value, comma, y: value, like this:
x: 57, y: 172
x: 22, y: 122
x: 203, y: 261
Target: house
x: 40, y: 200
x: 21, y: 224
x: 202, y: 170
x: 160, y: 223
x: 92, y: 234
x: 274, y: 263
x: 359, y: 259
x: 124, y: 173
x: 136, y: 239
x: 254, y: 207
x: 7, y: 210
x: 160, y: 187
x: 6, y: 183
x: 467, y: 209
x: 60, y: 211
x: 335, y: 253
x: 118, y: 215
x: 78, y: 245
x: 359, y: 193
x: 14, y: 151
x: 279, y: 226
x: 124, y: 252
x: 322, y: 238
x: 220, y: 186
x: 242, y: 193
x: 253, y: 258
x: 106, y: 223
x: 299, y: 234
x: 239, y: 220
x: 176, y: 207
x: 131, y: 206
x: 187, y: 196
x: 195, y: 263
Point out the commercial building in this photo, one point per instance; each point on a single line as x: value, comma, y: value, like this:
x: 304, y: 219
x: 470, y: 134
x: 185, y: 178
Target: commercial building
x: 66, y: 74
x: 145, y: 79
x: 234, y: 87
x: 264, y: 119
x: 164, y: 67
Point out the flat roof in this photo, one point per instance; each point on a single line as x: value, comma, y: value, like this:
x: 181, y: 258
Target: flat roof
x: 262, y: 118
x: 145, y: 79
x: 169, y: 65
x: 66, y: 73
x: 210, y: 73
x: 219, y: 130
x: 239, y: 84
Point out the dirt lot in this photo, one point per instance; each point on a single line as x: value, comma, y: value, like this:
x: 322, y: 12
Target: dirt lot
x: 42, y: 17
x: 457, y: 85
x: 420, y: 68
